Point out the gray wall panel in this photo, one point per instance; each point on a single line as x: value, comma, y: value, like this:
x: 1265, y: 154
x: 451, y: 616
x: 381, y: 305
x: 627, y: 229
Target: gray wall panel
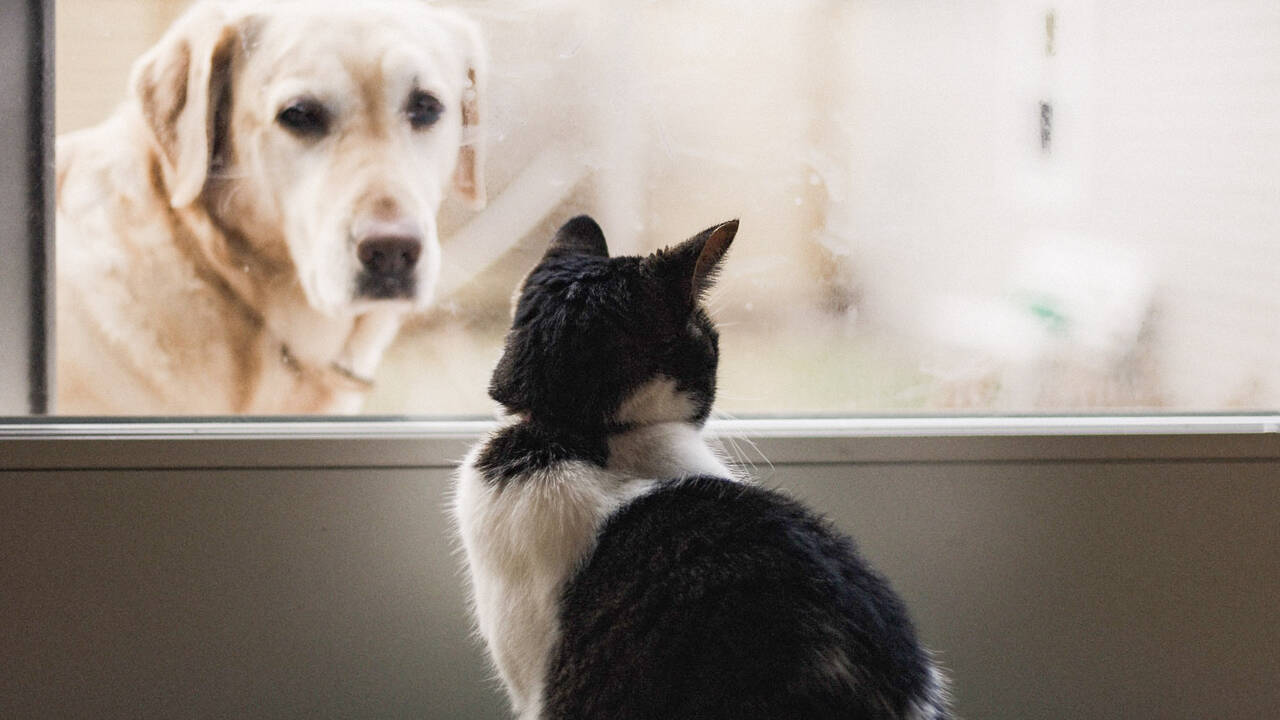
x: 234, y: 594
x: 1084, y: 590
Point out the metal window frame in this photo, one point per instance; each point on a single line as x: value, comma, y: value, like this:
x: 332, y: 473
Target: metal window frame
x: 26, y: 174
x: 28, y: 443
x: 390, y: 443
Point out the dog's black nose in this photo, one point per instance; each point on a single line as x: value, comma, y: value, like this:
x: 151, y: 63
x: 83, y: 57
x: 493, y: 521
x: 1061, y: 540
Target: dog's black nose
x: 389, y: 255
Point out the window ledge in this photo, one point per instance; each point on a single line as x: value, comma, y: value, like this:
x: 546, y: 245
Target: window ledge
x: 380, y: 442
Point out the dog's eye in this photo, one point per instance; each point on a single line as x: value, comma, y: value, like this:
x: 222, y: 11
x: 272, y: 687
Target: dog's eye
x: 423, y: 110
x: 305, y: 117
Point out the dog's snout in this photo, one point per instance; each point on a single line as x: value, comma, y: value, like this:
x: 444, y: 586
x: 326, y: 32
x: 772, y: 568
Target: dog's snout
x: 390, y: 254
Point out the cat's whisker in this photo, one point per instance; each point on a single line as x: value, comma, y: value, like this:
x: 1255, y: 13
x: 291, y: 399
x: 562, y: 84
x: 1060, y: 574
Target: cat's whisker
x: 741, y: 457
x: 738, y: 463
x: 736, y: 437
x: 756, y: 448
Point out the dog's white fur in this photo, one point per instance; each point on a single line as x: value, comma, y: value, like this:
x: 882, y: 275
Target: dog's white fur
x: 206, y: 255
x: 524, y: 539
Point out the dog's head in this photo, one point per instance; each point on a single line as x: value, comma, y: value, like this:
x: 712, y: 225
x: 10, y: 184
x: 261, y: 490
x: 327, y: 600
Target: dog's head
x: 321, y: 137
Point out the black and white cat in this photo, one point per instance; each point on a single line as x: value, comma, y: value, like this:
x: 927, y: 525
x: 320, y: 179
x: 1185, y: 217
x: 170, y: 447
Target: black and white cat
x: 619, y: 569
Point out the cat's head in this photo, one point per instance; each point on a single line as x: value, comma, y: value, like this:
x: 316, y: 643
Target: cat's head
x: 613, y: 342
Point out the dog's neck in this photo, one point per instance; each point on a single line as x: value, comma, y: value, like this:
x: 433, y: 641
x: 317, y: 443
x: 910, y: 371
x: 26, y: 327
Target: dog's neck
x: 345, y: 352
x: 341, y: 354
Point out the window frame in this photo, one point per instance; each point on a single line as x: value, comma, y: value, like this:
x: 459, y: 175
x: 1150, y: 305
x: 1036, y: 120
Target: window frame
x: 65, y: 442
x: 26, y: 183
x: 302, y: 444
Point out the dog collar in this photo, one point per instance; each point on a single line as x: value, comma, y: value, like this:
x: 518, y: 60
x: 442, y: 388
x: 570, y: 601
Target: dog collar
x: 334, y: 374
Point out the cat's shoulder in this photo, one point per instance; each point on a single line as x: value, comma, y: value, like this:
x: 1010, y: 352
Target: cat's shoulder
x: 728, y: 498
x: 721, y: 515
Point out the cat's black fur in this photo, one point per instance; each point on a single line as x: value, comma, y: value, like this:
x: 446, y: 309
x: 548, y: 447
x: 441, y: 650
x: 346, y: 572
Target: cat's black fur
x: 710, y: 599
x: 524, y: 448
x: 704, y: 597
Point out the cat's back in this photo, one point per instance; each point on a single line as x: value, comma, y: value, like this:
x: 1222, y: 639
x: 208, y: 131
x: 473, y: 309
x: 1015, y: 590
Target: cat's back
x: 707, y: 598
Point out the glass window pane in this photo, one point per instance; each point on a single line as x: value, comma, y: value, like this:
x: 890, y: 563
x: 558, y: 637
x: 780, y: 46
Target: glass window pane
x: 983, y: 205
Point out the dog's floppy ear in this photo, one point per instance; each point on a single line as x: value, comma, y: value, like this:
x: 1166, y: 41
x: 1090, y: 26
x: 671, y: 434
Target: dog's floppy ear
x: 178, y: 85
x: 468, y: 174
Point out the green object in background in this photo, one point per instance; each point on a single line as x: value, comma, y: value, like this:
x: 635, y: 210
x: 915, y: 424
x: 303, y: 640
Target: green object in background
x: 1047, y: 313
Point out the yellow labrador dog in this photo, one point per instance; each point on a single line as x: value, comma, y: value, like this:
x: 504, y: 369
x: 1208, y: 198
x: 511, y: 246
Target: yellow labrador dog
x: 247, y: 233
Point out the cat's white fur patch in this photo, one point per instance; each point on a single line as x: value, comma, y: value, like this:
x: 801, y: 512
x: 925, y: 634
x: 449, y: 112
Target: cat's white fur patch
x: 936, y: 697
x: 666, y: 450
x: 523, y: 539
x: 656, y: 401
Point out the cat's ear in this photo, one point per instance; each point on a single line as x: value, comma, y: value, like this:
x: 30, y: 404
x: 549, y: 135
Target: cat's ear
x: 579, y: 236
x: 692, y: 265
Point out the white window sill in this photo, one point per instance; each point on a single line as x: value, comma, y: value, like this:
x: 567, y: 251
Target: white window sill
x: 377, y: 442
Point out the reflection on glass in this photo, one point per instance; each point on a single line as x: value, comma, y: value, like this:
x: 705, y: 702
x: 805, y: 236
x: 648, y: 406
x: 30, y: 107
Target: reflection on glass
x: 949, y: 206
